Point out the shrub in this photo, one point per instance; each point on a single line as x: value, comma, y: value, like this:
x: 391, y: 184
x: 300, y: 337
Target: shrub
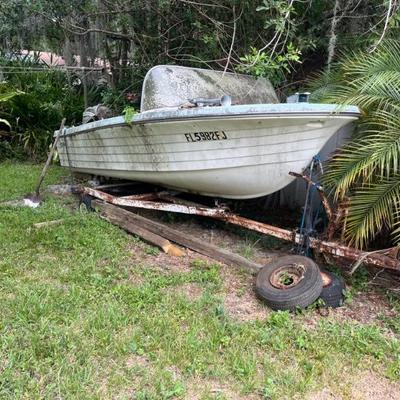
x: 47, y: 97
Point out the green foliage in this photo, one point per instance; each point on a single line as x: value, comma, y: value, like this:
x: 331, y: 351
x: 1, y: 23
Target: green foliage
x: 142, y: 34
x: 7, y: 150
x: 128, y: 113
x: 367, y: 169
x: 274, y: 68
x: 120, y: 98
x: 277, y: 11
x: 6, y: 96
x: 276, y: 59
x: 151, y: 250
x: 44, y: 98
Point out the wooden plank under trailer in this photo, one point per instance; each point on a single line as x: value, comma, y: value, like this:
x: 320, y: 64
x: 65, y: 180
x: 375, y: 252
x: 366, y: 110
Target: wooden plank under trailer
x: 165, y: 201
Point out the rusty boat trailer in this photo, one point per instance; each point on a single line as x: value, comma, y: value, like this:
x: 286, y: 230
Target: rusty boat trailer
x: 167, y: 201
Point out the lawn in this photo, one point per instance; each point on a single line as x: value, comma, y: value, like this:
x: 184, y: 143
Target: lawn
x: 89, y: 312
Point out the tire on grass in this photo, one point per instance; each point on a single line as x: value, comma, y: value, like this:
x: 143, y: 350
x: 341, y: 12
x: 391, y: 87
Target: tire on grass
x: 290, y: 282
x: 333, y: 290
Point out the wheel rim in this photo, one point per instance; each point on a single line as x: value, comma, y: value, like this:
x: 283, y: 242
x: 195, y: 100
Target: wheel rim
x: 287, y: 276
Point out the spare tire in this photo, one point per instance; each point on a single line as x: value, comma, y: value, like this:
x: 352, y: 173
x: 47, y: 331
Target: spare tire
x: 290, y: 282
x: 333, y: 290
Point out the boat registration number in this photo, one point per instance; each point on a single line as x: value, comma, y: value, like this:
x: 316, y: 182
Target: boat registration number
x: 199, y: 136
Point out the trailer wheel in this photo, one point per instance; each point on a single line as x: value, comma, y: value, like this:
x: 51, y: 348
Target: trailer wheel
x: 333, y: 290
x: 289, y: 283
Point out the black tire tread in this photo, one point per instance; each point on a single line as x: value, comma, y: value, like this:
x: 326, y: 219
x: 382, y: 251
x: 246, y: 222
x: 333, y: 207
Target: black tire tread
x: 333, y: 294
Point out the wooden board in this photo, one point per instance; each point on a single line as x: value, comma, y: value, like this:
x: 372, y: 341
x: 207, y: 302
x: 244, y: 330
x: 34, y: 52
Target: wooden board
x: 115, y: 213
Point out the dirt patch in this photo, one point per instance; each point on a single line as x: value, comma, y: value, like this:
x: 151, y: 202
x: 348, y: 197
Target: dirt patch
x: 141, y: 253
x: 190, y: 290
x: 364, y: 308
x: 197, y: 388
x: 136, y: 361
x: 240, y: 300
x: 324, y: 394
x: 244, y: 244
x: 245, y: 307
x: 370, y: 386
x: 366, y: 386
x: 233, y: 238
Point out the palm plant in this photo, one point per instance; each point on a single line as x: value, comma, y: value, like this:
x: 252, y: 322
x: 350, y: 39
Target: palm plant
x: 367, y: 170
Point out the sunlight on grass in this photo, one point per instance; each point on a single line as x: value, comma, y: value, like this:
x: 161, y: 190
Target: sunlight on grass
x: 16, y: 180
x: 80, y: 320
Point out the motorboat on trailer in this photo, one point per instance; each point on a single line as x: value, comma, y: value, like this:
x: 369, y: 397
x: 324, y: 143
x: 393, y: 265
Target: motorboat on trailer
x: 206, y: 132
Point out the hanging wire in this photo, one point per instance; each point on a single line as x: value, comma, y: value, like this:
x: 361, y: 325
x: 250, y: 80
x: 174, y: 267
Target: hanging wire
x: 49, y: 68
x: 46, y: 68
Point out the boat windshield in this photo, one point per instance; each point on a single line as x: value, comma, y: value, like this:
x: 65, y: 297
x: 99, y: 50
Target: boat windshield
x: 172, y: 86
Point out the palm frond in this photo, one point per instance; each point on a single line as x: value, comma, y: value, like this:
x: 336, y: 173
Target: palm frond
x: 385, y: 97
x: 396, y: 225
x: 368, y: 81
x: 374, y: 155
x: 372, y: 207
x: 367, y: 169
x: 9, y: 95
x: 387, y: 57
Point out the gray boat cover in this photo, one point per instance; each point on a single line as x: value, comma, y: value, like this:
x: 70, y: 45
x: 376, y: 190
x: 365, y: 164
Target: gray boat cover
x: 172, y: 86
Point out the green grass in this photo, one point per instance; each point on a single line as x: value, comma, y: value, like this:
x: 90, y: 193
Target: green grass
x: 16, y: 180
x: 80, y: 320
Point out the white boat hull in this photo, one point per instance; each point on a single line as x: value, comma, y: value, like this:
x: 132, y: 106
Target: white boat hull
x: 236, y: 155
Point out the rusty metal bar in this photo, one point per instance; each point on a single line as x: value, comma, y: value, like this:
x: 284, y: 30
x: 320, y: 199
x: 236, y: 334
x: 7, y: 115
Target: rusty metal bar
x: 321, y: 193
x: 329, y: 247
x: 144, y: 196
x: 167, y: 196
x: 153, y: 205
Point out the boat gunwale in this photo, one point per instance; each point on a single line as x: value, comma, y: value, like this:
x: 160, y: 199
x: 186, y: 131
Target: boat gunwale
x: 119, y: 120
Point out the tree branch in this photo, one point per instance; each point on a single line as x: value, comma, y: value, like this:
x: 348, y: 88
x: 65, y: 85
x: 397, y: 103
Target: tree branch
x: 390, y: 12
